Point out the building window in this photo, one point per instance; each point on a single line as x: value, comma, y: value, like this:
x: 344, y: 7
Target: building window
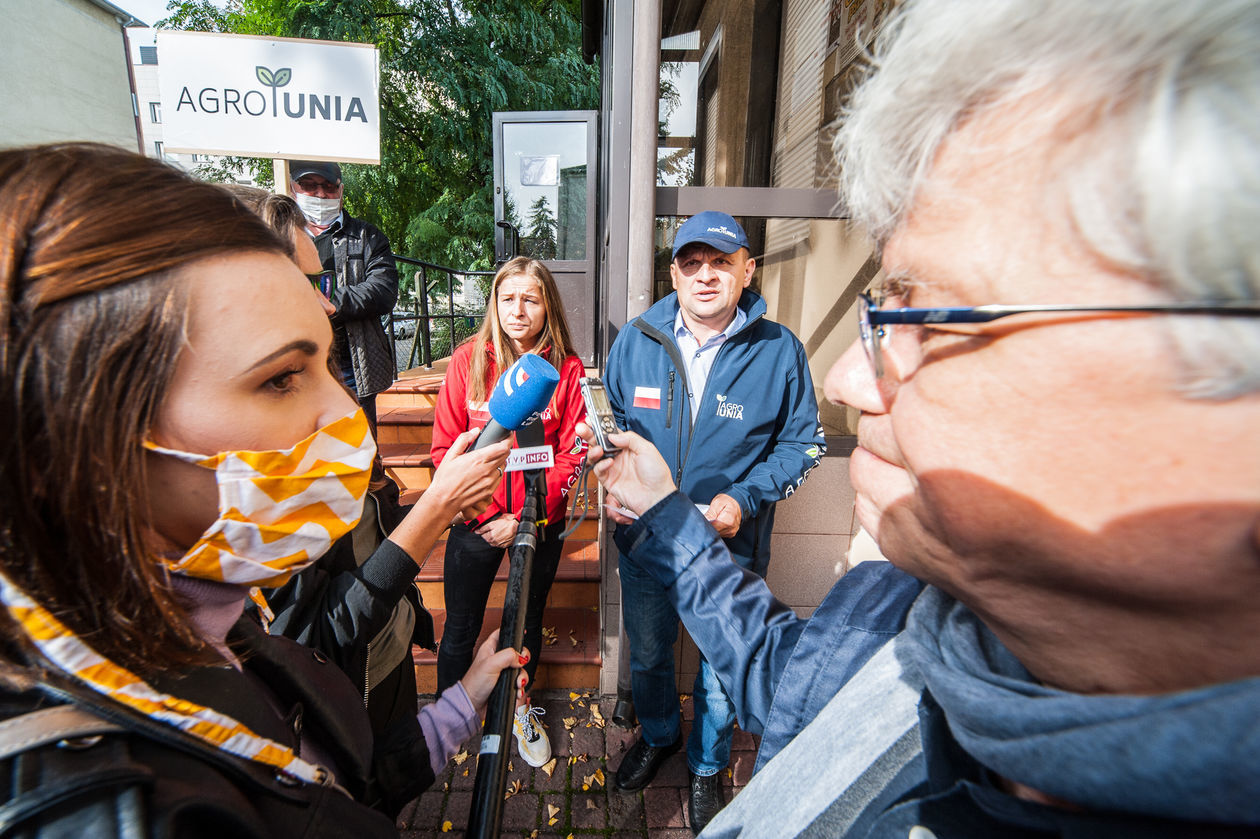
x: 155, y: 112
x: 148, y: 55
x: 157, y: 150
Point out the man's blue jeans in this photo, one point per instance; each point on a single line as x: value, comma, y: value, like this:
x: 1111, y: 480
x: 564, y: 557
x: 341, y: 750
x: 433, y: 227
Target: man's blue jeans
x: 652, y: 628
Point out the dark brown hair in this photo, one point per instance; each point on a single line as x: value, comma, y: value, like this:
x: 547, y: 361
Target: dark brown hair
x: 554, y: 342
x: 95, y: 244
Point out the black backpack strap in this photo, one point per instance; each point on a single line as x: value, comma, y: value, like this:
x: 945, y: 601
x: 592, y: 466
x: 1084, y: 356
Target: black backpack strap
x: 66, y: 779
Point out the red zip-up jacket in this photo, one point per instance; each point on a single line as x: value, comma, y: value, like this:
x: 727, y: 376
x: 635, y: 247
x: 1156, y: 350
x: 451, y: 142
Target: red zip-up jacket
x: 454, y: 415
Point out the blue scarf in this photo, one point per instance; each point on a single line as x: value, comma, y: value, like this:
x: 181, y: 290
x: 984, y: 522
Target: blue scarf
x: 1191, y: 755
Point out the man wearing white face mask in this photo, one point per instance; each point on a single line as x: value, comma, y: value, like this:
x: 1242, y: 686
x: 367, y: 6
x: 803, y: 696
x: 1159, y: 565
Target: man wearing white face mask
x: 366, y: 280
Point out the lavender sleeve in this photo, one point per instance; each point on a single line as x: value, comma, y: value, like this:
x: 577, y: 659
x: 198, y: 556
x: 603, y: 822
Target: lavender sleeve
x: 446, y: 724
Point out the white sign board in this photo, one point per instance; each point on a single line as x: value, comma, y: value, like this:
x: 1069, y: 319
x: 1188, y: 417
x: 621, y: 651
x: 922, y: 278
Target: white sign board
x: 269, y: 97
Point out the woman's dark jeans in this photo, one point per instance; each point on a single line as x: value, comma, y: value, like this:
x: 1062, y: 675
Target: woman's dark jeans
x: 469, y: 572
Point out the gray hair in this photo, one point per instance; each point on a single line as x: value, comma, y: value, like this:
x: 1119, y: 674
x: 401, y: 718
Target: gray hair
x: 1170, y: 186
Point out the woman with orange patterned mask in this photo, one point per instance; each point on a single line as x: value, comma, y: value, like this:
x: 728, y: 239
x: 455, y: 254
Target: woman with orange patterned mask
x: 171, y: 437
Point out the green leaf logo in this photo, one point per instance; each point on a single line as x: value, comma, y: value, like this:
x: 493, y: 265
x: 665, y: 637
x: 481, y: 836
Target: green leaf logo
x: 275, y: 81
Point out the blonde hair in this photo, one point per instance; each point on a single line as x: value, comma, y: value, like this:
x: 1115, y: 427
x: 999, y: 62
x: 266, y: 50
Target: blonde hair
x: 554, y: 341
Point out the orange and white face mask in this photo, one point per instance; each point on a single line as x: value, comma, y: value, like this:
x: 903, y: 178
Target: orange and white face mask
x: 279, y: 511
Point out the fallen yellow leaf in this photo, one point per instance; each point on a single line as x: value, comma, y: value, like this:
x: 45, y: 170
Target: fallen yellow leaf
x: 573, y: 695
x: 552, y: 810
x: 446, y: 827
x: 549, y: 767
x: 569, y: 722
x: 590, y: 804
x: 573, y: 638
x: 552, y: 822
x: 459, y: 757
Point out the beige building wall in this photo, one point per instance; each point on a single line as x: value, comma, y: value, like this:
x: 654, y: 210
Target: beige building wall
x: 63, y: 75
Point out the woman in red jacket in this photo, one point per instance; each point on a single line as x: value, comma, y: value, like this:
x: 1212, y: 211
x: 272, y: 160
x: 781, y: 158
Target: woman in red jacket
x: 524, y: 315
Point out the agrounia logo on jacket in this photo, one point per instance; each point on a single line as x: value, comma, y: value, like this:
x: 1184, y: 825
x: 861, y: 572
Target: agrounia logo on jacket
x: 730, y: 410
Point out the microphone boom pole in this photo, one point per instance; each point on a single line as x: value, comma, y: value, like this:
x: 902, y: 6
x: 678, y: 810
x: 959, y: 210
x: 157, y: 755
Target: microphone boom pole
x: 485, y: 815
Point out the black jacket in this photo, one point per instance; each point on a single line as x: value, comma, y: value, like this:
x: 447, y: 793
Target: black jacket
x: 152, y: 780
x: 367, y: 290
x: 359, y: 606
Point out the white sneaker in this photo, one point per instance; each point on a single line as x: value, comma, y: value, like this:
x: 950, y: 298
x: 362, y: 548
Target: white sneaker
x: 531, y: 737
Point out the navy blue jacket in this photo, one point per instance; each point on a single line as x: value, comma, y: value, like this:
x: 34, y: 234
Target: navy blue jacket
x: 782, y: 671
x: 756, y: 434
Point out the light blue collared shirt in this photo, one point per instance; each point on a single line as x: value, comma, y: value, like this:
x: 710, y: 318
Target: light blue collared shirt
x: 699, y: 359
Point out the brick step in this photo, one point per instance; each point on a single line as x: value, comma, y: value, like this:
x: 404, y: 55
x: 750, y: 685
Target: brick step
x: 412, y: 424
x: 573, y: 661
x: 415, y: 387
x: 579, y: 562
x: 576, y: 583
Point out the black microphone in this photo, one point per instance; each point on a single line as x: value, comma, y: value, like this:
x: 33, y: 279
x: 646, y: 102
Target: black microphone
x: 520, y: 396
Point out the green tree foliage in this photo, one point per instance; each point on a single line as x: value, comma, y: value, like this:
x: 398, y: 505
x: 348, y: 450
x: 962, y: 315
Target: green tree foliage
x: 446, y: 67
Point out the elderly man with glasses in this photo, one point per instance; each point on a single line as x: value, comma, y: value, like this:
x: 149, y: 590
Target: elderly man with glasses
x: 1058, y: 447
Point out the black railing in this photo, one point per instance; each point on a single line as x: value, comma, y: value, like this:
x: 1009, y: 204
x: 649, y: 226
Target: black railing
x: 434, y: 334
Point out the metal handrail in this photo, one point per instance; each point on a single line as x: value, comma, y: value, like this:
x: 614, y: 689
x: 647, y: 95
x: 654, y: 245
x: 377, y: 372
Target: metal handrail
x: 423, y: 340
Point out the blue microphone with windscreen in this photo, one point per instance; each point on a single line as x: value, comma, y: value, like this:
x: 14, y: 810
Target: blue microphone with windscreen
x: 519, y: 398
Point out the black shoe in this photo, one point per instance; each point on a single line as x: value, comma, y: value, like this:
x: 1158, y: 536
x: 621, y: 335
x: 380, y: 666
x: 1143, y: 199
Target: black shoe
x: 639, y: 766
x: 706, y: 800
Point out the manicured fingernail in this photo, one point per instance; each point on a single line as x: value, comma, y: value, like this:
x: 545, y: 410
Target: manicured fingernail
x: 522, y: 658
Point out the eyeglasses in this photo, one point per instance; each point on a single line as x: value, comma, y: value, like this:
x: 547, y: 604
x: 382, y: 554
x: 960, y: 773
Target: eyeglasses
x: 325, y: 282
x: 314, y: 187
x: 872, y: 319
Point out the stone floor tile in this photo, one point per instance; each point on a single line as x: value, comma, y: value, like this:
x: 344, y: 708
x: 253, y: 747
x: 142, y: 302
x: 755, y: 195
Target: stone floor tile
x: 521, y: 811
x: 585, y: 817
x: 669, y: 833
x: 558, y: 779
x: 663, y: 807
x: 457, y: 804
x: 625, y: 810
x: 742, y: 741
x: 617, y: 741
x: 586, y: 740
x: 464, y: 775
x: 673, y: 772
x: 419, y: 834
x: 556, y: 800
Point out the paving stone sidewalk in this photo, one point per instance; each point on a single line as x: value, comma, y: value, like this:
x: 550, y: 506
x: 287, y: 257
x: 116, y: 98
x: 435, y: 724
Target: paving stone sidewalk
x: 577, y: 797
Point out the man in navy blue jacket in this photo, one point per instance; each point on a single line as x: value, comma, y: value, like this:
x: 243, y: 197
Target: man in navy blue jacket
x: 725, y: 395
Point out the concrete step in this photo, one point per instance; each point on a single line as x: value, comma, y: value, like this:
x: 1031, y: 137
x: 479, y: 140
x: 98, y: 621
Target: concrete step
x: 571, y: 660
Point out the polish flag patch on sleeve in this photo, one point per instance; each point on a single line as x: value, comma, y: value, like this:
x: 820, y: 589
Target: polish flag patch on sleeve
x: 647, y: 397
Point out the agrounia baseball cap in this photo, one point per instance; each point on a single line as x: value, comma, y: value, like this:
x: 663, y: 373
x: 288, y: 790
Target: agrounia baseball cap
x: 715, y: 229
